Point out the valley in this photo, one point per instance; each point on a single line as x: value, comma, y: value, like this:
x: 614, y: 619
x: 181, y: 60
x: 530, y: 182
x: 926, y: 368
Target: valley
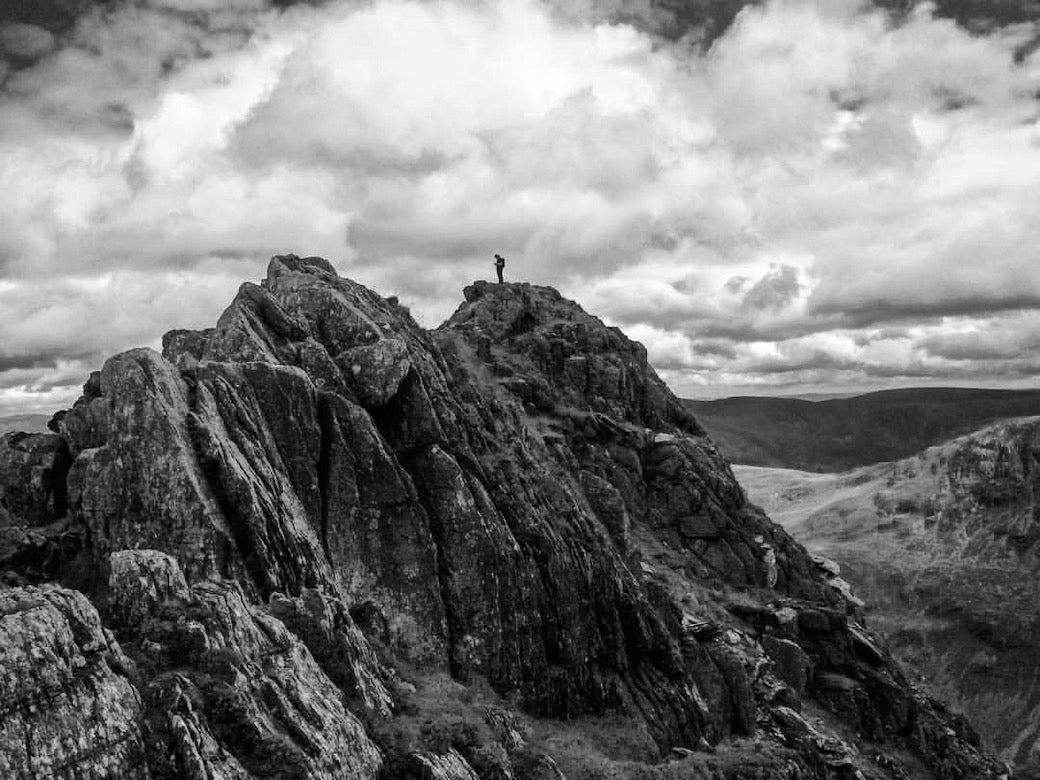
x: 943, y: 548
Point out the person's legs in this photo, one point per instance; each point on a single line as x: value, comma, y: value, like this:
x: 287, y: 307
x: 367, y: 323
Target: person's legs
x: 499, y: 269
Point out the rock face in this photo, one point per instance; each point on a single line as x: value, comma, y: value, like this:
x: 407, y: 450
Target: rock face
x: 33, y: 468
x: 69, y: 709
x: 978, y: 535
x: 513, y: 498
x: 231, y: 691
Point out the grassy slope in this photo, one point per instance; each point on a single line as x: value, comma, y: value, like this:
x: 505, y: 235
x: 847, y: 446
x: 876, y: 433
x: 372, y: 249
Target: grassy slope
x: 843, y: 433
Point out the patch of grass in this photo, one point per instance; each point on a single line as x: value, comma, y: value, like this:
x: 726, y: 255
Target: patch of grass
x: 579, y: 749
x: 435, y: 714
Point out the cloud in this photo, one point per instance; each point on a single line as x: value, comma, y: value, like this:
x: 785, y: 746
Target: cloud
x: 24, y: 42
x: 775, y: 290
x: 992, y: 340
x: 82, y: 320
x: 825, y: 194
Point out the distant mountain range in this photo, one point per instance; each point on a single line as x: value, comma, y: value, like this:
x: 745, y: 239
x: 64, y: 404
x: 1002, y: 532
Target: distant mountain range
x: 843, y: 433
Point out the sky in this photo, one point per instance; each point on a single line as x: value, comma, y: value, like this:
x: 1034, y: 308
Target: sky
x: 824, y: 197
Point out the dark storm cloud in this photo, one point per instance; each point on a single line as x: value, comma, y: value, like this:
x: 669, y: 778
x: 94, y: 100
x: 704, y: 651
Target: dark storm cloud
x: 24, y: 43
x: 59, y: 16
x: 715, y: 347
x: 10, y: 363
x: 55, y: 16
x: 706, y: 20
x: 866, y: 312
x: 69, y: 376
x: 995, y: 339
x: 743, y: 331
x: 813, y: 361
x: 700, y: 21
x: 880, y: 334
x: 1001, y: 371
x: 975, y: 350
x: 774, y: 290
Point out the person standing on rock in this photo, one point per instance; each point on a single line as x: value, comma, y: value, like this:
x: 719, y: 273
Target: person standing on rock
x: 500, y: 263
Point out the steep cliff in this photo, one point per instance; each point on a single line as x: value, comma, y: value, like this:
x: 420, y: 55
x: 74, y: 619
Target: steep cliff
x: 292, y: 525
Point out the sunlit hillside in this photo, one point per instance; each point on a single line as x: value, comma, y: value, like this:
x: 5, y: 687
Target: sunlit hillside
x: 943, y: 547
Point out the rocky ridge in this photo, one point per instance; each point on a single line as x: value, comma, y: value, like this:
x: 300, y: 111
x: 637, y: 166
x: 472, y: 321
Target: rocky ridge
x: 277, y: 532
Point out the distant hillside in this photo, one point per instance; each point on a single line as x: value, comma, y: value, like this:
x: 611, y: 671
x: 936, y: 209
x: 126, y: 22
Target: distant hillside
x: 945, y: 548
x: 29, y: 423
x: 843, y: 433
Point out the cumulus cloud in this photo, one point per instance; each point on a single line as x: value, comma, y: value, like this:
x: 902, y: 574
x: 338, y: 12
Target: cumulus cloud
x: 825, y: 195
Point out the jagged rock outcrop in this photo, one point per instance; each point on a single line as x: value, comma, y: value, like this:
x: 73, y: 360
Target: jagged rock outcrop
x: 325, y: 626
x: 230, y: 691
x: 473, y: 542
x: 603, y: 413
x: 485, y: 499
x: 989, y: 499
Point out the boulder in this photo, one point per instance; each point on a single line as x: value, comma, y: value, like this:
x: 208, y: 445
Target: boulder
x: 33, y: 470
x: 140, y: 583
x: 375, y: 371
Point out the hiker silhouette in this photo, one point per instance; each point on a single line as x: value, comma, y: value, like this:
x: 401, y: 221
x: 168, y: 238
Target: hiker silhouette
x: 500, y: 263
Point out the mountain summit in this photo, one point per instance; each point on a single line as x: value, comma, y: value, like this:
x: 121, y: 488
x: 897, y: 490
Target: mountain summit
x: 318, y: 541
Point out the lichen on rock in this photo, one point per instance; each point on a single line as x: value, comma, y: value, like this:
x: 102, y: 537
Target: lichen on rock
x: 67, y: 707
